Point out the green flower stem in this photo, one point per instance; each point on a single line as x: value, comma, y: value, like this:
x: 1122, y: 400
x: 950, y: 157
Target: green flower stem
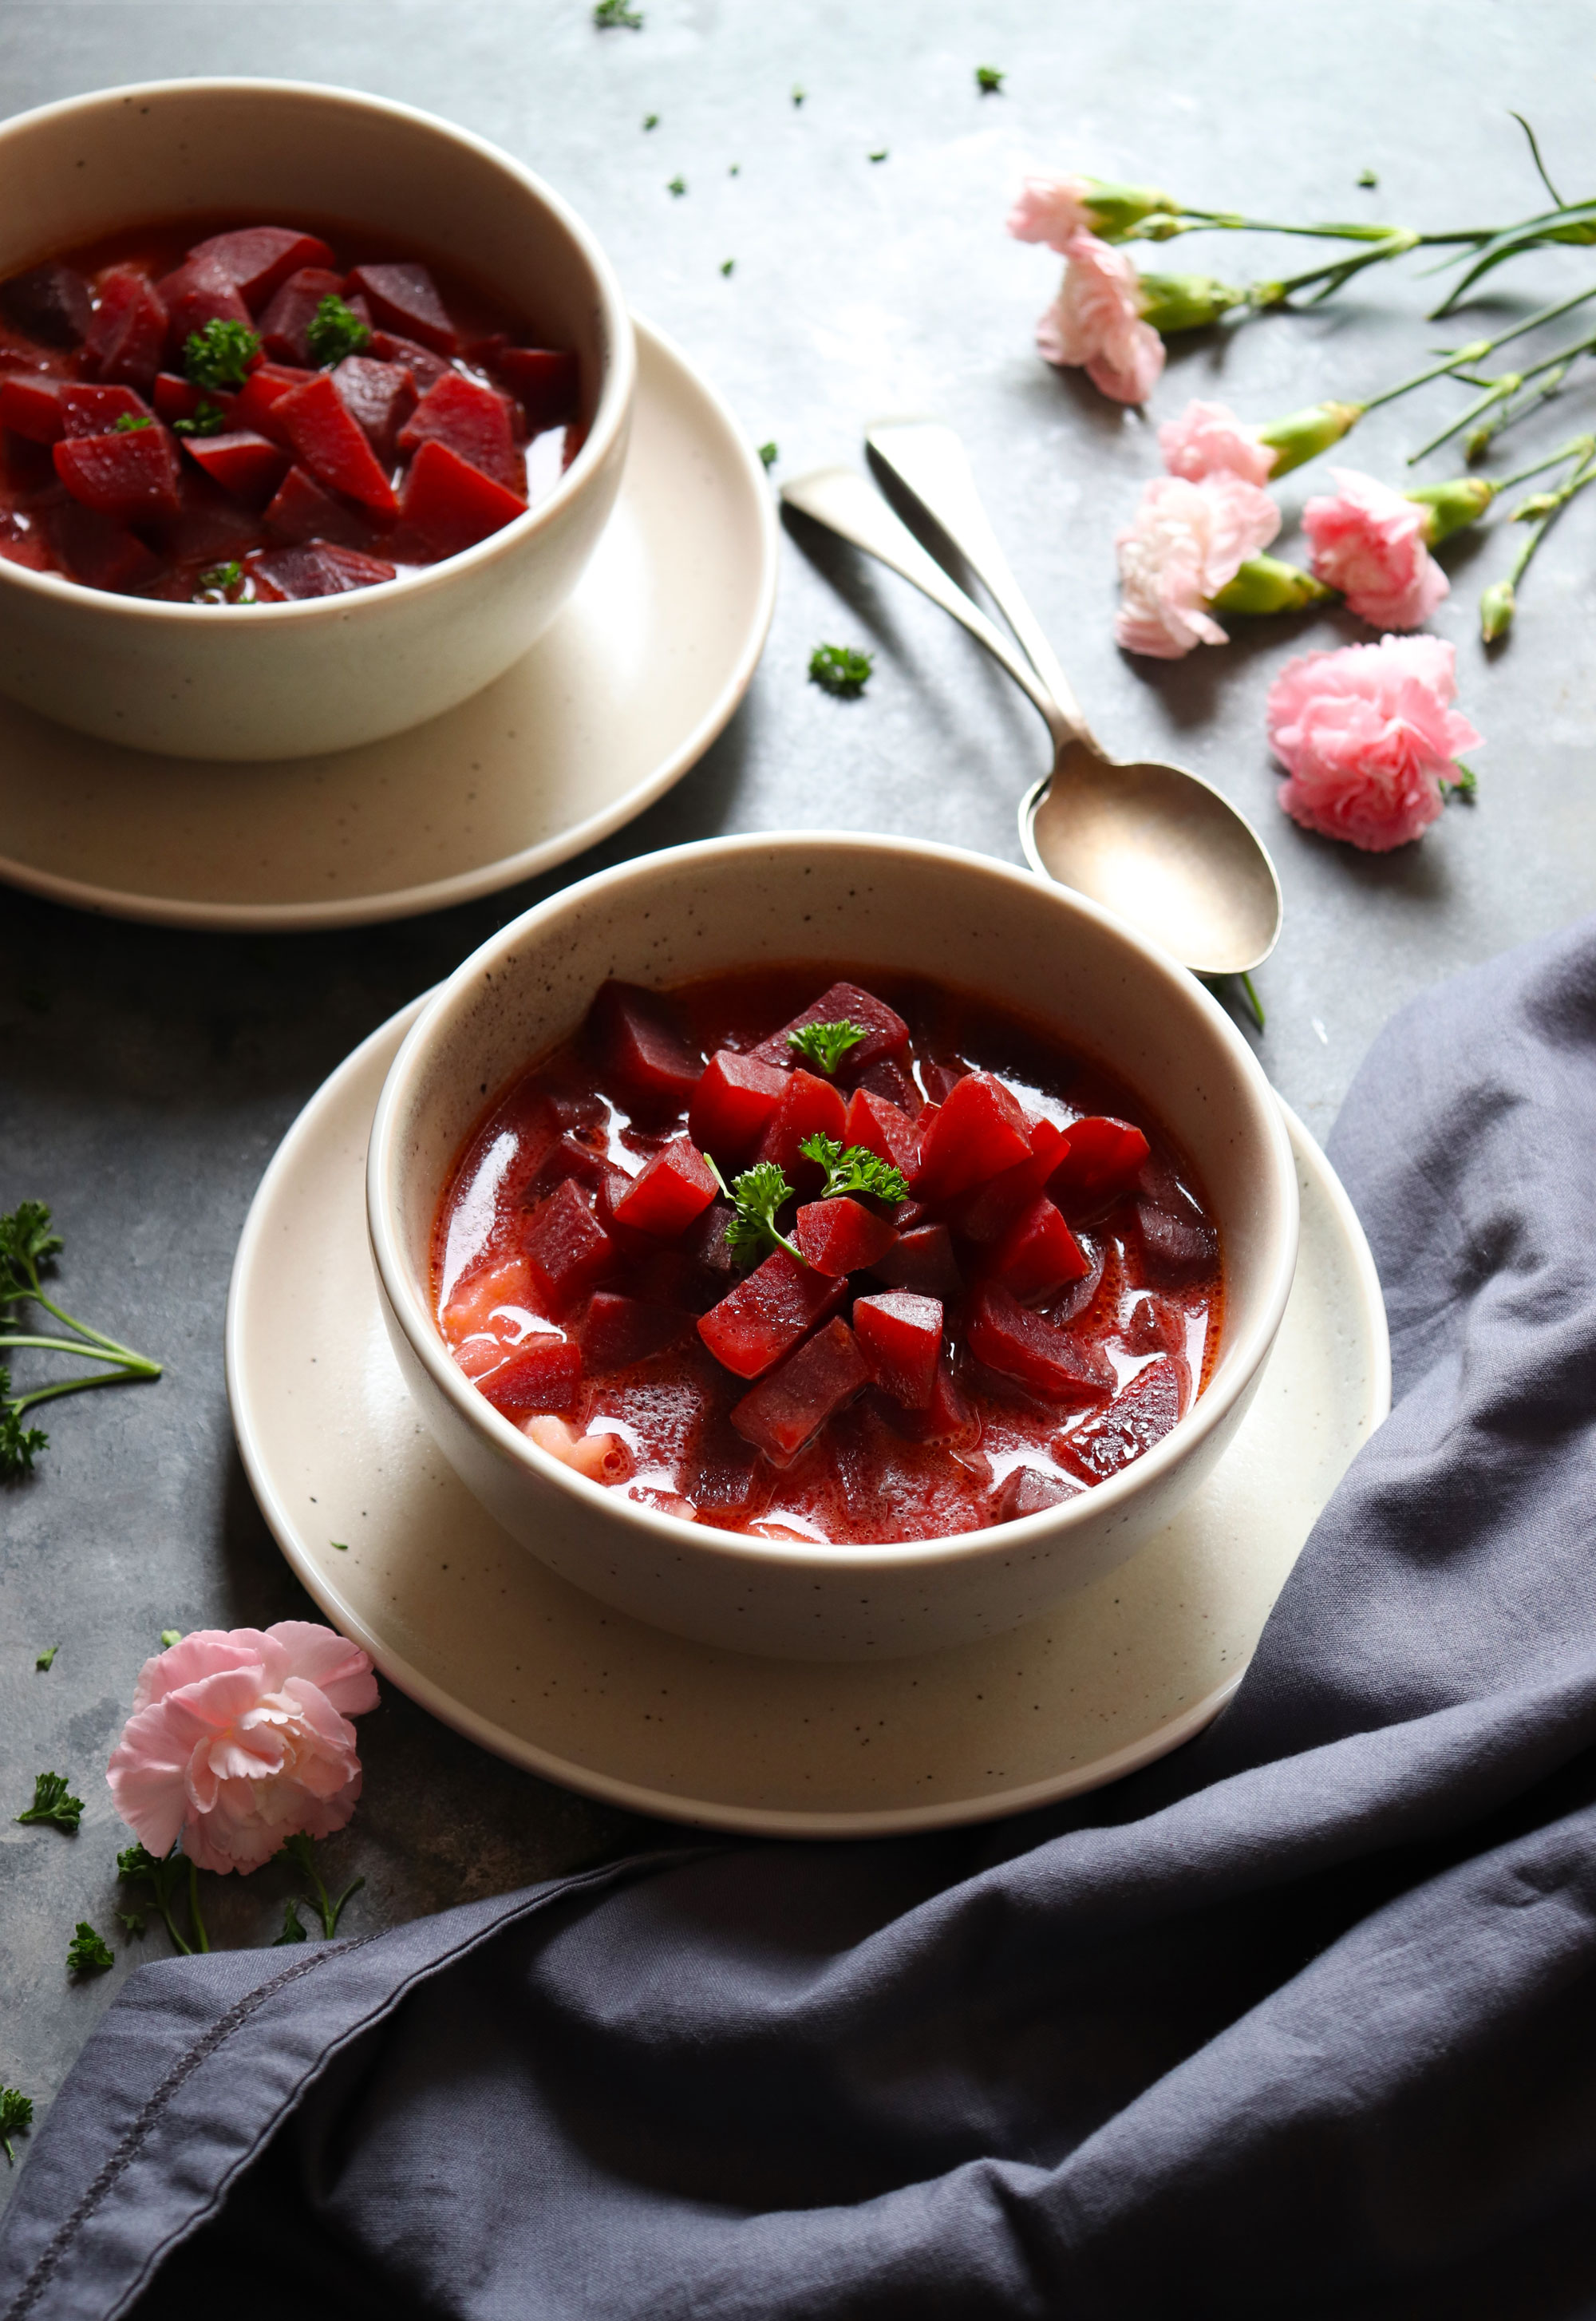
x: 1502, y: 390
x: 202, y: 1940
x: 1340, y: 271
x: 1583, y: 447
x: 1498, y: 605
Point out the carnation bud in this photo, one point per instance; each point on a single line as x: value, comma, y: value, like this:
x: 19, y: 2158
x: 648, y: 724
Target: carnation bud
x: 1186, y: 302
x: 1450, y: 506
x: 1303, y: 434
x: 1497, y: 607
x: 1113, y: 209
x: 1266, y: 584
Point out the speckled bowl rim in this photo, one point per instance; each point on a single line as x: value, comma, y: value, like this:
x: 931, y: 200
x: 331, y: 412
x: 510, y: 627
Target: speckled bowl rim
x: 616, y: 389
x: 1239, y: 1362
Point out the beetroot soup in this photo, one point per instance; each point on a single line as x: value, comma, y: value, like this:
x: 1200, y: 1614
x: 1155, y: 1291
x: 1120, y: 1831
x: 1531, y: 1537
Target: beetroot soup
x: 789, y: 1254
x: 253, y: 414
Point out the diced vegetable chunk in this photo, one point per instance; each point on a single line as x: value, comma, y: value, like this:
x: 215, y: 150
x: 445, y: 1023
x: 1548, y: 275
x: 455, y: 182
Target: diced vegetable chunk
x: 379, y: 397
x: 886, y: 1031
x: 543, y: 1373
x: 669, y: 1192
x: 1133, y: 1421
x: 810, y: 1107
x: 303, y: 510
x: 95, y: 410
x: 196, y: 295
x: 1176, y: 1246
x: 1009, y: 1338
x: 922, y: 1260
x: 565, y: 1246
x: 899, y: 1336
x: 765, y: 1317
x: 618, y: 1331
x: 1039, y: 1253
x: 788, y: 1409
x: 95, y: 549
x: 257, y: 258
x: 244, y: 464
x: 545, y: 381
x: 979, y: 1132
x: 950, y: 1419
x: 451, y: 504
x: 132, y: 479
x: 471, y: 420
x: 50, y: 303
x: 32, y: 406
x: 732, y: 1106
x: 287, y: 575
x: 841, y: 1236
x: 332, y: 445
x: 404, y: 298
x: 1103, y: 1159
x: 424, y: 366
x: 1027, y: 1491
x: 991, y: 1209
x: 881, y: 1128
x: 128, y: 334
x: 640, y: 1048
x: 257, y: 400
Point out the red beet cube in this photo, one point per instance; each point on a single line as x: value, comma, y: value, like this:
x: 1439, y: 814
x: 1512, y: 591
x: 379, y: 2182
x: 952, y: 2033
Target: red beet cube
x: 1176, y: 1246
x: 732, y: 1106
x: 565, y: 1246
x: 132, y: 478
x: 640, y: 1048
x: 788, y: 1409
x: 1039, y: 1255
x: 244, y: 464
x: 991, y: 1209
x: 451, y: 504
x: 293, y: 309
x: 941, y: 1079
x: 30, y: 407
x: 404, y: 298
x: 1009, y: 1338
x: 882, y: 1128
x: 922, y: 1260
x: 544, y: 381
x: 1154, y: 1326
x: 50, y: 303
x: 765, y: 1317
x: 379, y: 397
x: 288, y: 574
x: 979, y: 1132
x: 424, y: 366
x: 332, y: 445
x: 617, y: 1331
x: 93, y: 549
x: 1026, y: 1491
x: 178, y: 398
x: 1132, y: 1423
x: 256, y: 258
x: 95, y: 410
x: 705, y: 1243
x: 1101, y: 1164
x: 839, y: 1236
x: 209, y: 528
x: 899, y: 1336
x: 473, y: 420
x: 950, y: 1418
x: 670, y: 1190
x: 886, y: 1031
x: 303, y: 510
x: 196, y: 295
x: 258, y: 398
x: 809, y: 1107
x: 128, y: 334
x: 543, y: 1373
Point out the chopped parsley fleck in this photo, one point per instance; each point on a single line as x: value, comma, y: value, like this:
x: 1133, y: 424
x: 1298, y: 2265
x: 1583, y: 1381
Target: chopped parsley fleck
x: 839, y: 670
x: 826, y: 1044
x: 799, y: 94
x: 880, y: 154
x: 726, y: 264
x: 989, y: 80
x: 769, y: 455
x: 46, y: 1660
x: 1368, y: 179
x: 610, y: 16
x: 650, y: 121
x: 335, y: 330
x: 220, y: 355
x: 170, y: 1636
x: 205, y: 419
x: 128, y: 423
x: 16, y: 2114
x: 216, y: 585
x: 677, y: 185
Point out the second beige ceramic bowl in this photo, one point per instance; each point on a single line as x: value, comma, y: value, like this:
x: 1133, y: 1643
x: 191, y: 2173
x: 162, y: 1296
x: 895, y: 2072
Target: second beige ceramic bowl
x: 287, y: 680
x: 860, y: 903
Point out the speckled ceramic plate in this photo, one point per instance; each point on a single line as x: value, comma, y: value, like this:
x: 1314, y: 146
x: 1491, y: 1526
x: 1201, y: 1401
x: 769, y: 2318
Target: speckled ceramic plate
x: 400, y: 1556
x: 612, y: 706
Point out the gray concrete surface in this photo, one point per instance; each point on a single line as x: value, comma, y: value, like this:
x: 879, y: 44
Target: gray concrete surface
x: 146, y: 1077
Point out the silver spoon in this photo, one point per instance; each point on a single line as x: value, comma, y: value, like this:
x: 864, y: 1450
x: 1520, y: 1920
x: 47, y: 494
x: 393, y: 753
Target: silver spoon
x: 1154, y: 842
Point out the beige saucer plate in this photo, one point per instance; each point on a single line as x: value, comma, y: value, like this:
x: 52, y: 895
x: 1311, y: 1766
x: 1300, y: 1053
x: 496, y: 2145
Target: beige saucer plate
x: 614, y: 703
x: 480, y: 1632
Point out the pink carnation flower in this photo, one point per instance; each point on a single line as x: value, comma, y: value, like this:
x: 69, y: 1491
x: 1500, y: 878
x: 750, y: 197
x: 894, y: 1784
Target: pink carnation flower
x: 1095, y: 321
x: 1050, y: 209
x: 1368, y: 736
x: 1368, y: 542
x: 240, y: 1738
x: 1187, y: 541
x: 1209, y: 440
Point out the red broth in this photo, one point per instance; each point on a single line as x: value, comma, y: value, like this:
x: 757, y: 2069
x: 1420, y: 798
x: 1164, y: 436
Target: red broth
x: 1043, y: 1309
x: 329, y: 463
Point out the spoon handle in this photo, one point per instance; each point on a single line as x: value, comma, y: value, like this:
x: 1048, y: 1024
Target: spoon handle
x: 931, y: 464
x: 842, y: 500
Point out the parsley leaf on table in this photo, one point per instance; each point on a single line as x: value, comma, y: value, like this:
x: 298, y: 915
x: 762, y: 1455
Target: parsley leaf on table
x: 826, y: 1044
x: 89, y: 1952
x: 677, y: 185
x: 839, y: 670
x: 989, y: 80
x: 52, y: 1803
x: 857, y: 1170
x: 16, y: 2117
x: 613, y: 15
x: 164, y: 1878
x: 46, y: 1659
x: 769, y: 455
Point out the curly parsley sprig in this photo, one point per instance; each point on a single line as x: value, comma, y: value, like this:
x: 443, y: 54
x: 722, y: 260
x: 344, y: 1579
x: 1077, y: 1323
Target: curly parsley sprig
x: 52, y: 1803
x: 27, y: 1243
x: 16, y: 2117
x: 89, y: 1952
x: 840, y: 670
x: 854, y: 1170
x: 826, y: 1044
x: 755, y: 1195
x: 222, y: 355
x: 335, y: 330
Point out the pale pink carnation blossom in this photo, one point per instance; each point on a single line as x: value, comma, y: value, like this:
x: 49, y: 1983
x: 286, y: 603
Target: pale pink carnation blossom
x: 1368, y: 542
x: 1049, y: 208
x: 1186, y: 542
x: 1095, y: 321
x: 1368, y: 734
x: 1209, y: 440
x: 238, y: 1738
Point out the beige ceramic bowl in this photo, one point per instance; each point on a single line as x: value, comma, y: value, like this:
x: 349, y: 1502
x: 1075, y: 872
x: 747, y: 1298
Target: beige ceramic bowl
x: 866, y: 902
x: 286, y: 680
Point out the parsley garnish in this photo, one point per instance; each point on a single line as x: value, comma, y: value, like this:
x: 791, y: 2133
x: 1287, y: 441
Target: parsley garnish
x: 293, y: 1931
x: 128, y: 422
x: 726, y: 264
x: 769, y: 455
x: 755, y: 1195
x: 16, y: 2115
x: 879, y: 155
x: 46, y: 1660
x: 735, y: 170
x: 677, y: 185
x: 799, y: 94
x: 826, y: 1044
x: 89, y: 1952
x: 132, y: 1920
x: 205, y: 419
x: 342, y: 1545
x: 51, y: 1803
x: 26, y: 1243
x: 857, y: 1170
x: 610, y: 16
x: 164, y: 1878
x: 217, y: 583
x: 989, y: 80
x: 839, y: 670
x: 650, y: 121
x: 170, y: 1636
x: 301, y: 1852
x: 334, y: 330
x: 221, y: 354
x: 1366, y: 177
